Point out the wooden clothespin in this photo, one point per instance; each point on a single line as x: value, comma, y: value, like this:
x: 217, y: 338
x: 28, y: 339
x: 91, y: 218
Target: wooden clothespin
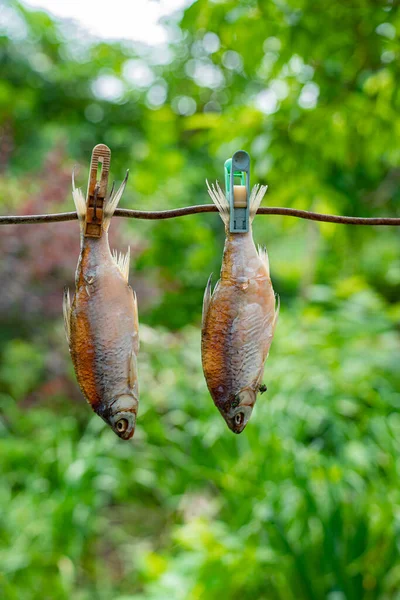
x: 97, y: 190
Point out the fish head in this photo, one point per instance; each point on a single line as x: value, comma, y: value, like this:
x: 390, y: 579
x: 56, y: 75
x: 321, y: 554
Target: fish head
x: 237, y: 411
x: 121, y: 416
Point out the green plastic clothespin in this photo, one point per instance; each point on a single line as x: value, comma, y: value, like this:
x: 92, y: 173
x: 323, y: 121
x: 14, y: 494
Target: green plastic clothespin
x: 238, y: 166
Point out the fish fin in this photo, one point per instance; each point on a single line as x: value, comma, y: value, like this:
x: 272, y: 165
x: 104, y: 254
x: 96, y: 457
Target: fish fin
x: 206, y: 300
x: 277, y: 309
x: 79, y: 201
x: 132, y: 375
x: 136, y: 322
x: 111, y: 203
x: 256, y: 196
x: 122, y: 261
x: 274, y: 322
x: 67, y: 313
x: 263, y: 254
x: 220, y: 201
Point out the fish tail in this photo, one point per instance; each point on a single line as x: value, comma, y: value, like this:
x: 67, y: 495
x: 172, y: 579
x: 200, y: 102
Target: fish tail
x: 256, y: 196
x: 220, y: 201
x: 111, y: 203
x: 79, y: 201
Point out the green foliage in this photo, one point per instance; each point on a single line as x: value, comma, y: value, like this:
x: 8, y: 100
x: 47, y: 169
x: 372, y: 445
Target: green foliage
x: 303, y: 504
x: 310, y: 92
x: 18, y: 357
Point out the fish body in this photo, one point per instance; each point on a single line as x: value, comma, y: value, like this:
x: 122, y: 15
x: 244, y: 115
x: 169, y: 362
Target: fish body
x: 102, y: 327
x: 239, y: 319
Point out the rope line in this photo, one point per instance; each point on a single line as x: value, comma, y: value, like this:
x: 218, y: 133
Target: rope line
x: 203, y: 208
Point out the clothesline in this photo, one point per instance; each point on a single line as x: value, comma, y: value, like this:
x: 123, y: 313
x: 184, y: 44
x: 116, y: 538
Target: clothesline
x: 203, y: 208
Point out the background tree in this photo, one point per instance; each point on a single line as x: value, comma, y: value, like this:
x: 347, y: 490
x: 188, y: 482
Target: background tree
x: 304, y: 504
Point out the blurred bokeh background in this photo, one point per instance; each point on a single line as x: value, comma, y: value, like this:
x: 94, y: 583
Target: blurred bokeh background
x: 305, y: 504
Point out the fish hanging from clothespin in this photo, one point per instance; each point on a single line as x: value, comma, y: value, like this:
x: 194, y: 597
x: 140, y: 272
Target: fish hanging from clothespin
x: 101, y: 322
x: 240, y: 315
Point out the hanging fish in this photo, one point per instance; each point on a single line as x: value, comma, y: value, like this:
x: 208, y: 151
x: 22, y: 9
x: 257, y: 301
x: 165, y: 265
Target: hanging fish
x: 101, y: 322
x: 239, y: 317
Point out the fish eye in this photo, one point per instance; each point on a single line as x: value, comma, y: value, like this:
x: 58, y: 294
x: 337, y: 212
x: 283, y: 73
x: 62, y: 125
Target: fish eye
x: 122, y: 425
x: 239, y: 418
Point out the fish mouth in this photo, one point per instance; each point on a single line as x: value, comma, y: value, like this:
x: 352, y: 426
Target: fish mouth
x: 239, y: 418
x: 123, y: 424
x: 122, y: 416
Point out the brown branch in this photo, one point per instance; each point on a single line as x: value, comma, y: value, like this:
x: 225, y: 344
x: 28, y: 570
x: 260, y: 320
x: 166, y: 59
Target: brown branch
x: 204, y: 208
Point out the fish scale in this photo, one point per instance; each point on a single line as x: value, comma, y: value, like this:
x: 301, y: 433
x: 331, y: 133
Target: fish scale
x: 101, y: 322
x: 239, y: 319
